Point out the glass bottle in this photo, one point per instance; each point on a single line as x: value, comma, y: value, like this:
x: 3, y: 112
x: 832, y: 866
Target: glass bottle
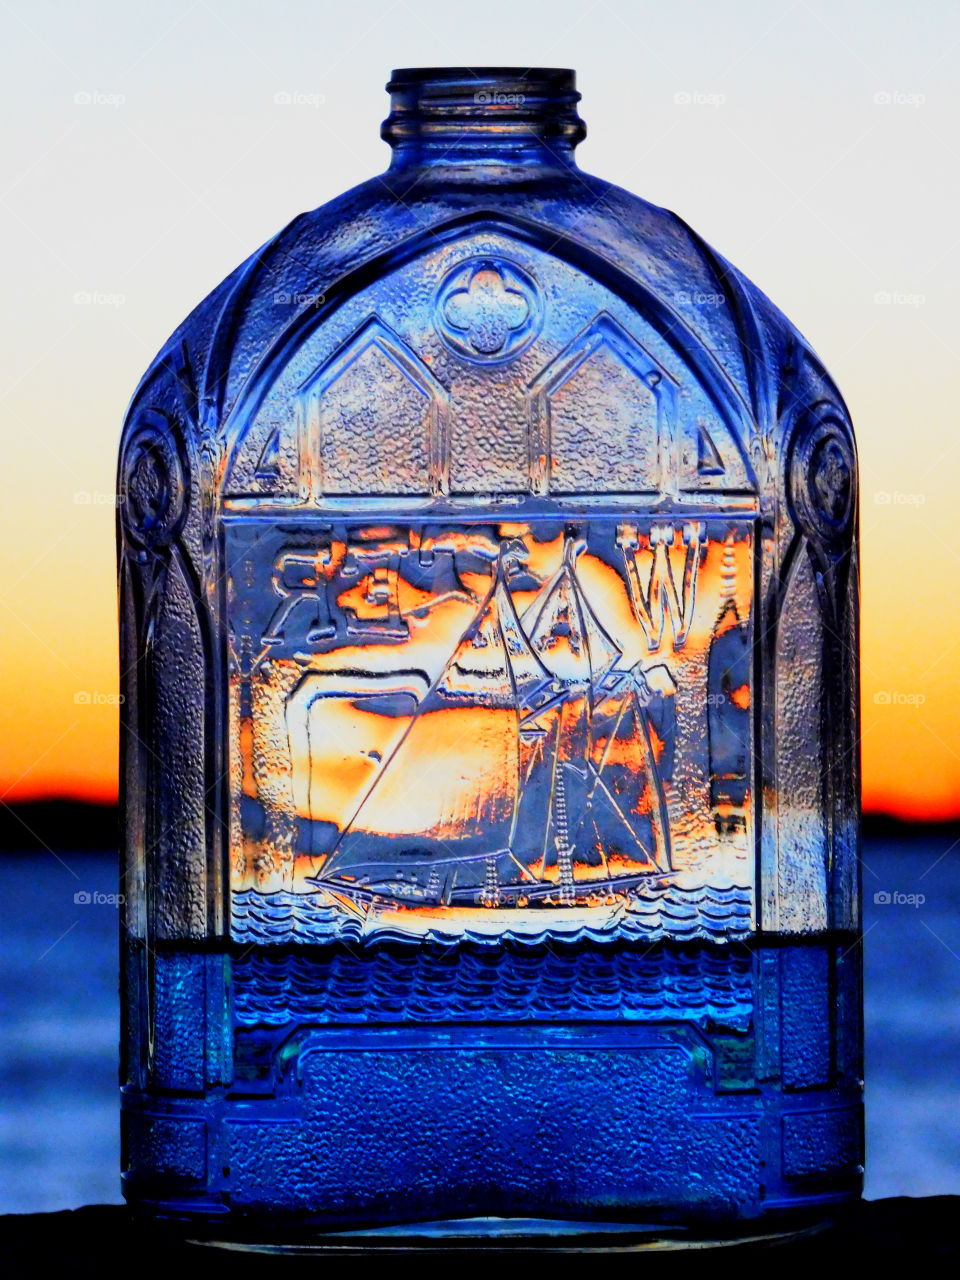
x: 488, y: 574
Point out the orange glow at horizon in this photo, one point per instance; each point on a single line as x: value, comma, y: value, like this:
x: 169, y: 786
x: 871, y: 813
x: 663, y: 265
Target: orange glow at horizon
x: 58, y: 713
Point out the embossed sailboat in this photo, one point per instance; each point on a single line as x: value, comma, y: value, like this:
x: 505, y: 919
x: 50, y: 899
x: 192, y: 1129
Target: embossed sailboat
x: 526, y: 775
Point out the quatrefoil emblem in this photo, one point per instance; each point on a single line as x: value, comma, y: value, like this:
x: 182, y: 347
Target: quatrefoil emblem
x: 488, y: 310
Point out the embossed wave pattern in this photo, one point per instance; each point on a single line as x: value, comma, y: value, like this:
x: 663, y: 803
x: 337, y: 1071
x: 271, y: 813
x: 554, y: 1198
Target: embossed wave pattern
x: 707, y: 912
x: 472, y: 983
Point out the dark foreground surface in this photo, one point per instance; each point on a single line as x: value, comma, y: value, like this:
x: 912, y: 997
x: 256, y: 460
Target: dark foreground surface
x: 103, y: 1239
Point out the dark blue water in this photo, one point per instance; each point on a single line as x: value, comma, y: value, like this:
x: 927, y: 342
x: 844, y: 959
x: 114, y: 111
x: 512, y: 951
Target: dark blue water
x: 59, y: 1127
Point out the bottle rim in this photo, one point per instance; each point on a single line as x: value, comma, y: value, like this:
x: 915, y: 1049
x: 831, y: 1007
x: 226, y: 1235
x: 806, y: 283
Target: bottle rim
x: 506, y: 108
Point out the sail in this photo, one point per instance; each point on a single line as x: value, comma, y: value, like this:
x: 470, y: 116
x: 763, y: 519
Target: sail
x: 566, y: 634
x: 530, y: 676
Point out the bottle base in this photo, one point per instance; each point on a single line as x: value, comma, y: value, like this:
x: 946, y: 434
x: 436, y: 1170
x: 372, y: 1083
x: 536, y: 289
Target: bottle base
x: 517, y: 1234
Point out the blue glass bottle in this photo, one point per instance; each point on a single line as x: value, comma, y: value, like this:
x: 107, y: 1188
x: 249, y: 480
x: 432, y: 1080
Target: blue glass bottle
x: 489, y: 644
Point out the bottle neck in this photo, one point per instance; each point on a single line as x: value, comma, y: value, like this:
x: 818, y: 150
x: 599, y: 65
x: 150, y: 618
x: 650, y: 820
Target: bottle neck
x: 472, y: 116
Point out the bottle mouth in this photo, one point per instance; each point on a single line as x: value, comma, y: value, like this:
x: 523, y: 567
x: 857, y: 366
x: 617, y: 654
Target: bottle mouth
x: 477, y: 106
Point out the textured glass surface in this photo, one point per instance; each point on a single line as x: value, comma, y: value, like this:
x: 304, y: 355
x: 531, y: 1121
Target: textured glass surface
x: 489, y: 628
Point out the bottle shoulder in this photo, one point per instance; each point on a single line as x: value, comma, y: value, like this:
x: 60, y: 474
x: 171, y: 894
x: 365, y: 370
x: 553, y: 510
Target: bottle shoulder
x: 642, y: 249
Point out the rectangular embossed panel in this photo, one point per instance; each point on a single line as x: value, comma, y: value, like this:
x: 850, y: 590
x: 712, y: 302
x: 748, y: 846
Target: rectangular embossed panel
x: 630, y: 1097
x: 449, y: 728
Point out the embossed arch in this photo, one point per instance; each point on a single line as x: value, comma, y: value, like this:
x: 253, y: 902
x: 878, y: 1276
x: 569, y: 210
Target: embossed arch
x: 735, y: 415
x: 372, y: 358
x: 643, y: 410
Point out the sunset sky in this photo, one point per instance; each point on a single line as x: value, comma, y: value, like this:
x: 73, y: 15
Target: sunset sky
x: 814, y: 144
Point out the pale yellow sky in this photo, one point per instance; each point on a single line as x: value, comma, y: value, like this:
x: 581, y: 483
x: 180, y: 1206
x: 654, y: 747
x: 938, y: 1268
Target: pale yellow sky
x: 145, y: 157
